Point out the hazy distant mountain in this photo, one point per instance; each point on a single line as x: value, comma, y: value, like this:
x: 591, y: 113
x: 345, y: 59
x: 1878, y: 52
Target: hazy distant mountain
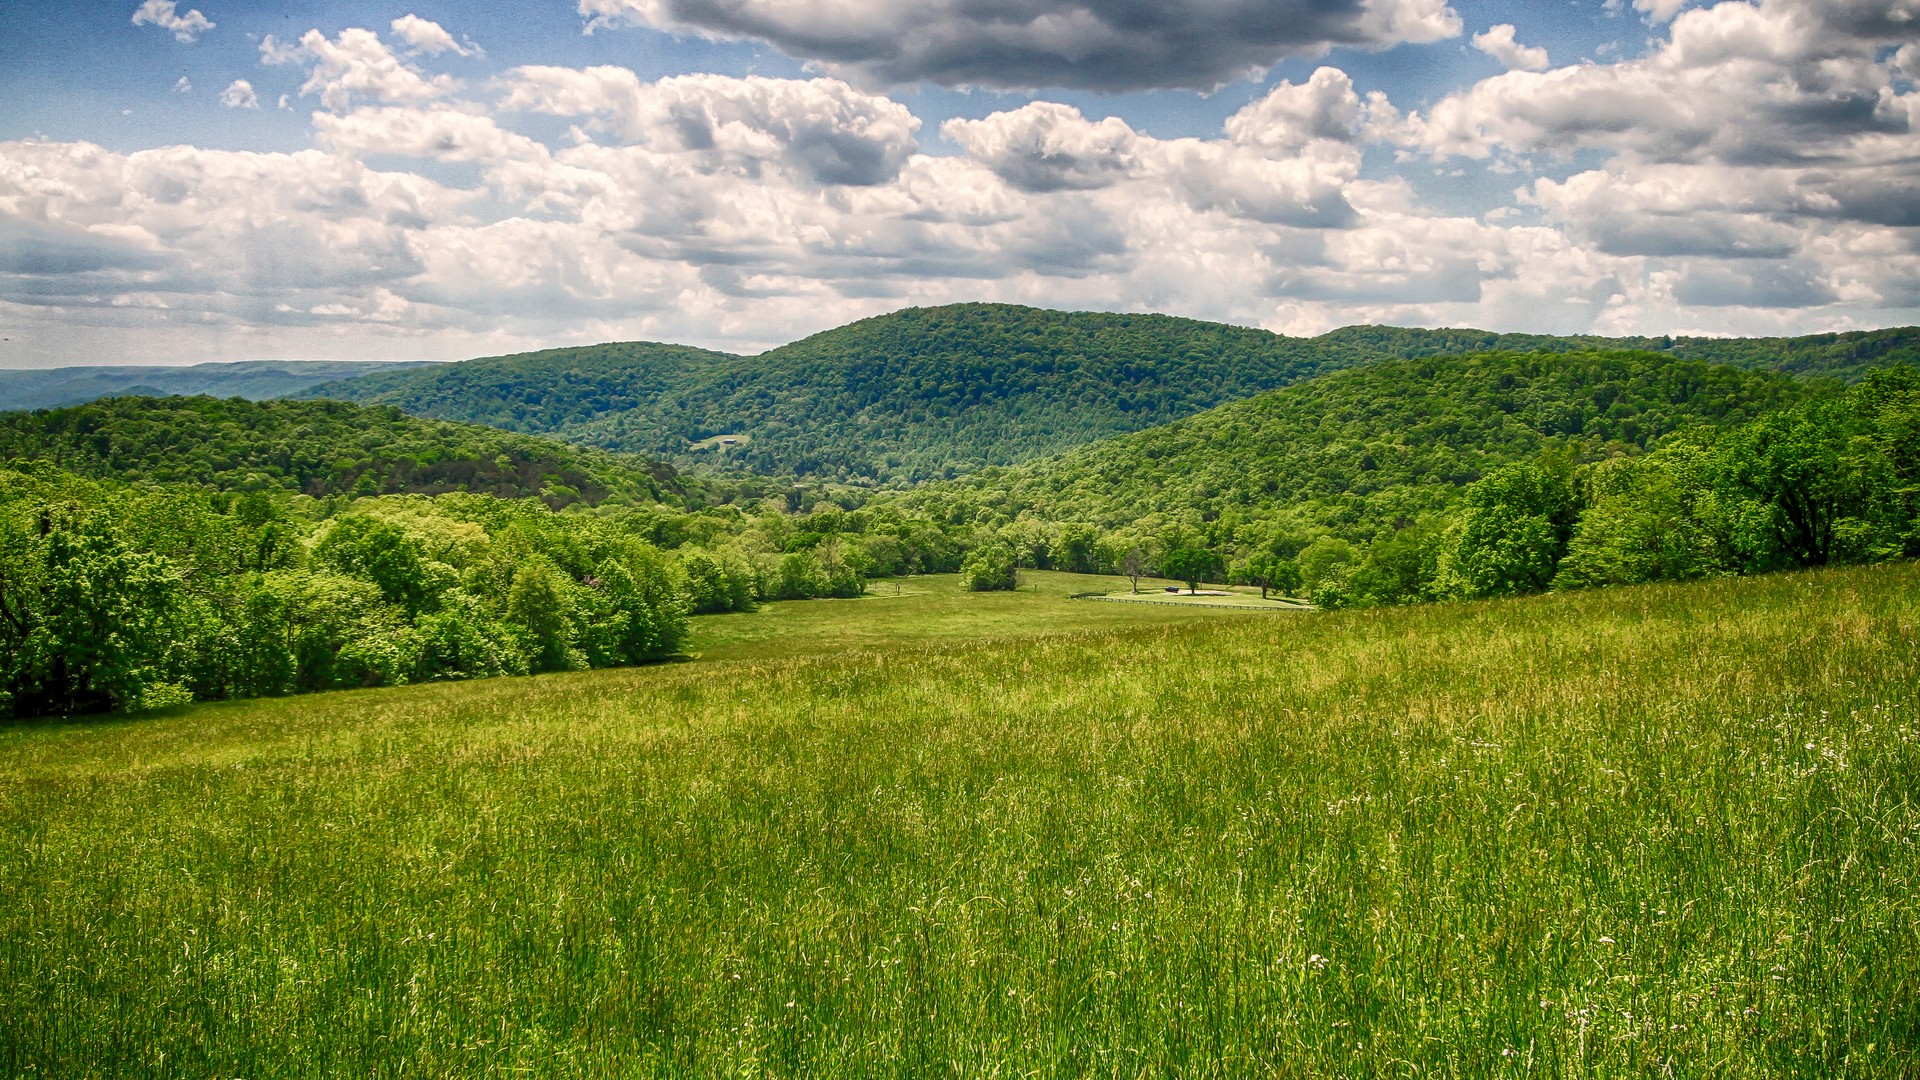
x: 256, y: 380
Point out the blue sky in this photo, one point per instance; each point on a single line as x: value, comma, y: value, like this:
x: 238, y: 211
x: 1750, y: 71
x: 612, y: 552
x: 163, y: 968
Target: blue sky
x: 204, y: 181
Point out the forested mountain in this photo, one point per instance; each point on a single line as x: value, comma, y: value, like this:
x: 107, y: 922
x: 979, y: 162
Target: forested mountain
x: 257, y: 380
x: 322, y: 448
x: 1359, y: 449
x: 917, y: 394
x: 554, y: 391
x: 930, y: 393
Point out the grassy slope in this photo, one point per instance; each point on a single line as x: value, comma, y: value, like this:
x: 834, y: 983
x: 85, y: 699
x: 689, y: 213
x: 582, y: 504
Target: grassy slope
x: 1616, y: 833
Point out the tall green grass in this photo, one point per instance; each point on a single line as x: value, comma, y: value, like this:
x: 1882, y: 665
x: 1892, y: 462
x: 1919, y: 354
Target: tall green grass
x: 1653, y: 831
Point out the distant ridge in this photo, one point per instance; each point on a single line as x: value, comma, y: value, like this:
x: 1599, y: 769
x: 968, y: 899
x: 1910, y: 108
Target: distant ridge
x: 933, y: 393
x: 255, y: 380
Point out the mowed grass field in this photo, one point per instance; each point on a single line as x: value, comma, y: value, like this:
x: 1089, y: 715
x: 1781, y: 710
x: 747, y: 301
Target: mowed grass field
x: 1654, y: 831
x: 937, y: 609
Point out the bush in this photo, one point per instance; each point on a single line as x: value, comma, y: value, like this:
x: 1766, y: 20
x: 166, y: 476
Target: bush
x: 990, y: 569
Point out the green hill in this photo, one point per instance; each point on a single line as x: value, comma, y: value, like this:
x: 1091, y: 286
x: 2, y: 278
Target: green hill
x: 1358, y: 449
x: 918, y: 394
x: 931, y: 393
x: 554, y: 391
x: 322, y: 448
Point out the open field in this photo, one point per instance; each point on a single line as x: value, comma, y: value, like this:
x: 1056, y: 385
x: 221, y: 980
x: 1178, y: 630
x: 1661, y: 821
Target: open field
x: 1248, y: 599
x: 935, y: 609
x: 1648, y: 831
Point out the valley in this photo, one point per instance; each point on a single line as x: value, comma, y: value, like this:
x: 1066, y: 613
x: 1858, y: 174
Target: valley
x: 1017, y: 692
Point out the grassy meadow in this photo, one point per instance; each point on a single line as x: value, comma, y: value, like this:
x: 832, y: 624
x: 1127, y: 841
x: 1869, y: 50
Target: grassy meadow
x: 937, y: 609
x: 1662, y: 831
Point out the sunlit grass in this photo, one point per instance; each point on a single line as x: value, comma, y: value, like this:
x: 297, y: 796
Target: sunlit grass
x: 936, y: 609
x: 1642, y: 831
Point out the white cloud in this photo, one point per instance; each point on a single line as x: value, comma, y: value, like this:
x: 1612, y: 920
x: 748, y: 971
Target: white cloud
x: 1498, y: 43
x: 440, y: 133
x: 430, y: 37
x: 240, y: 95
x: 1289, y: 116
x: 1659, y: 11
x: 743, y: 211
x: 162, y: 13
x: 358, y: 63
x: 183, y: 85
x: 821, y: 127
x: 1105, y: 45
x: 1045, y: 146
x: 1779, y: 81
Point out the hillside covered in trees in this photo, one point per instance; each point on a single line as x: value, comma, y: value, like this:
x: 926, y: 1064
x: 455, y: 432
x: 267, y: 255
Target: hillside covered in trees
x: 1367, y: 447
x: 323, y: 448
x: 1479, y: 476
x: 932, y: 393
x: 919, y: 394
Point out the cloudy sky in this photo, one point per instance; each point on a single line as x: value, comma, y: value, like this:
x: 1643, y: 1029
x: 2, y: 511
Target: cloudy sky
x: 188, y: 180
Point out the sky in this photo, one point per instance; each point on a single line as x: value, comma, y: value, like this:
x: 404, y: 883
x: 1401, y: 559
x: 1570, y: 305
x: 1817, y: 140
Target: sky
x: 194, y: 180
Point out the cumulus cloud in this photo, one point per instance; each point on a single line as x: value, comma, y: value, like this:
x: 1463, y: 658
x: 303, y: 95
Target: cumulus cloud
x: 426, y: 36
x: 239, y: 95
x: 358, y: 63
x: 823, y: 128
x: 163, y: 14
x: 439, y: 133
x: 1656, y: 11
x: 1775, y: 82
x: 742, y: 211
x: 183, y: 85
x: 1106, y: 45
x: 1498, y: 42
x: 1046, y: 146
x: 1289, y: 116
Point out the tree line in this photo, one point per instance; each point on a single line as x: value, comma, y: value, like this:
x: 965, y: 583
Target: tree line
x: 1832, y: 479
x: 119, y: 595
x: 1461, y: 478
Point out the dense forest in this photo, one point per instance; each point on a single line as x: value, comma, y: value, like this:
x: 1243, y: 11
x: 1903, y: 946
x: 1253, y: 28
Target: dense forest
x: 129, y: 596
x: 118, y: 595
x: 918, y: 394
x: 1848, y: 356
x: 931, y: 393
x: 1476, y: 477
x: 325, y: 448
x: 551, y: 392
x: 1363, y: 448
